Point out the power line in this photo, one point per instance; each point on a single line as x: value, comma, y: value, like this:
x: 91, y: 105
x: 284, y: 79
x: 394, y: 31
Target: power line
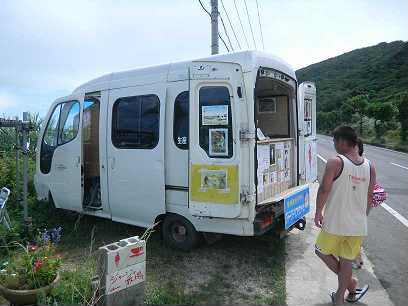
x: 223, y: 41
x: 205, y: 10
x: 225, y: 30
x: 260, y: 25
x: 219, y: 35
x: 249, y: 21
x: 229, y: 21
x: 240, y: 21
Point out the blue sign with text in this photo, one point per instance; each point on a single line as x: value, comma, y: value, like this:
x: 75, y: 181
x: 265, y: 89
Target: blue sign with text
x: 296, y: 206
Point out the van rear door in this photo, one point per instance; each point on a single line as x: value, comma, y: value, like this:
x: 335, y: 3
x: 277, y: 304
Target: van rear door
x: 214, y: 146
x: 307, y: 132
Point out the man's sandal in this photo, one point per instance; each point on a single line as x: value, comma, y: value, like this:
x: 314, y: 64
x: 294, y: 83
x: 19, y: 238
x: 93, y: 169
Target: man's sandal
x: 333, y: 299
x: 353, y: 297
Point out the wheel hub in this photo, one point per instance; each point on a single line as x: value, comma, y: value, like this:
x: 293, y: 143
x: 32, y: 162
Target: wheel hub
x: 178, y: 232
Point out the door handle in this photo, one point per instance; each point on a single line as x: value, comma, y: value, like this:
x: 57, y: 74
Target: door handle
x: 112, y: 163
x: 60, y: 167
x: 77, y: 161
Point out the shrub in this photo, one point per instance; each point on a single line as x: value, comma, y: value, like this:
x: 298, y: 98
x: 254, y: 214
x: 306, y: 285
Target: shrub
x: 31, y: 267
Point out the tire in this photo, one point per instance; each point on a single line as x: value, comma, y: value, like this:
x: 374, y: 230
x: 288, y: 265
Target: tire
x: 51, y: 202
x: 179, y: 233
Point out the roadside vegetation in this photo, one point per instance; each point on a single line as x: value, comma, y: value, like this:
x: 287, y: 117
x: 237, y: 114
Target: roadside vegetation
x: 367, y: 89
x: 234, y: 270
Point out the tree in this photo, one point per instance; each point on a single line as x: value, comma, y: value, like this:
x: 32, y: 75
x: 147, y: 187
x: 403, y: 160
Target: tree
x: 401, y: 103
x: 327, y: 121
x: 355, y: 105
x: 381, y: 113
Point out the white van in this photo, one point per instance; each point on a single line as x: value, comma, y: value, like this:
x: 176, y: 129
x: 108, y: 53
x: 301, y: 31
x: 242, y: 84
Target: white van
x: 224, y: 144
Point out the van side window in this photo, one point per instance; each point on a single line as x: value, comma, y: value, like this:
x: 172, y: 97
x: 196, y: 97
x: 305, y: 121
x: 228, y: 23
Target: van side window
x: 215, y: 120
x: 49, y: 141
x: 180, y: 120
x: 135, y: 122
x: 69, y: 122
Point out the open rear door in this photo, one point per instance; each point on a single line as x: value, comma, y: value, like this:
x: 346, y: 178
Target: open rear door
x: 214, y: 139
x: 307, y: 127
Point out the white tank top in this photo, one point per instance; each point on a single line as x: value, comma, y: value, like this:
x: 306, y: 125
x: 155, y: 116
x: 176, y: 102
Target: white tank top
x: 345, y: 209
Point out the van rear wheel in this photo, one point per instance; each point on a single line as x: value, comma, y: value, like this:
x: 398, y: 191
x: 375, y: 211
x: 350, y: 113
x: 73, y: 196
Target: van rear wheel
x: 179, y: 233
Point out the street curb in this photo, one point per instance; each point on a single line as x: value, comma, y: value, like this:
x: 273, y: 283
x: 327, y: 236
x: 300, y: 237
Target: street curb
x: 309, y: 281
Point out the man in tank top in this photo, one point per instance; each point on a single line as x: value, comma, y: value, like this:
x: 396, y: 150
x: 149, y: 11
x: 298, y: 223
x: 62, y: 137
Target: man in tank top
x: 343, y: 200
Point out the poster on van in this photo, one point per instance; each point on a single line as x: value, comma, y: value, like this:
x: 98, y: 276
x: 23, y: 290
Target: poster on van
x: 216, y: 179
x: 218, y: 145
x: 214, y: 184
x: 214, y: 115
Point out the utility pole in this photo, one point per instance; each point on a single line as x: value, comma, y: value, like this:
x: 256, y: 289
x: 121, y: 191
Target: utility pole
x: 214, y: 27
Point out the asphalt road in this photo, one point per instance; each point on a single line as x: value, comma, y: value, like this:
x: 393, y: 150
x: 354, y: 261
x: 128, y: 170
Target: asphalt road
x: 387, y: 241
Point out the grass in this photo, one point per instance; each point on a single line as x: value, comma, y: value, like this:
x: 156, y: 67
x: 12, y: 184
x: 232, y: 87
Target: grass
x: 235, y: 270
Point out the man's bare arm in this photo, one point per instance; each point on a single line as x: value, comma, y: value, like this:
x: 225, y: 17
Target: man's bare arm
x: 373, y: 180
x: 333, y: 167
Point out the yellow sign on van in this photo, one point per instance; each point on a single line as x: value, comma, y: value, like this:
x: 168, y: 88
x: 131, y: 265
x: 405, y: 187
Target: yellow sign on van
x: 215, y: 184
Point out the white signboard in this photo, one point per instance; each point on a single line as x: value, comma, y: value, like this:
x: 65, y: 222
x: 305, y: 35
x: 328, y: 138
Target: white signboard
x: 125, y: 278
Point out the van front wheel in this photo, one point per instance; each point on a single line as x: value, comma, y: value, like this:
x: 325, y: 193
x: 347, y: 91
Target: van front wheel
x: 179, y: 233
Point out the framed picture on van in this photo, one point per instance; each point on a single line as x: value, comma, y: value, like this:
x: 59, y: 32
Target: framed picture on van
x: 218, y: 142
x: 214, y: 115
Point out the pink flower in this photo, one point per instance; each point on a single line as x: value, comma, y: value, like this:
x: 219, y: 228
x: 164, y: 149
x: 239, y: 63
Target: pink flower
x: 32, y: 248
x: 37, y: 265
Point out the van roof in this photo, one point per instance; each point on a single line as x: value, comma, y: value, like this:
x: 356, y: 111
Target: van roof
x: 249, y: 60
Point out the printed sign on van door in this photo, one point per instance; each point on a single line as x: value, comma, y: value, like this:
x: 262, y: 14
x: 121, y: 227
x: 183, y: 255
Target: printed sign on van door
x: 215, y: 184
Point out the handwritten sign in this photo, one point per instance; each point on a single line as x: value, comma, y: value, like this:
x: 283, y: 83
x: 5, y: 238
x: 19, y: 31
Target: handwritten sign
x: 125, y: 278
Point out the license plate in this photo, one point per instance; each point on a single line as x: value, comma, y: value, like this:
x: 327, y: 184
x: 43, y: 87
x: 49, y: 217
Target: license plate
x: 296, y: 206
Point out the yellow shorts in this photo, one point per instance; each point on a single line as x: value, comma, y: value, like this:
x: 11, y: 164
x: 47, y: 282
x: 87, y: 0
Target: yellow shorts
x: 347, y: 247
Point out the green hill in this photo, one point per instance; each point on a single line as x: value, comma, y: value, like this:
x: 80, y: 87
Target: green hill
x: 379, y: 71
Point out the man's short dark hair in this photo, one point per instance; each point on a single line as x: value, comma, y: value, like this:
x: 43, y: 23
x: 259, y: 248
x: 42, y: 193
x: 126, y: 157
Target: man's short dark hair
x: 360, y: 146
x: 346, y: 133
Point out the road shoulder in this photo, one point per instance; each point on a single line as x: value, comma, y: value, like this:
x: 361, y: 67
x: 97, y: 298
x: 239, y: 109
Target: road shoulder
x: 309, y: 281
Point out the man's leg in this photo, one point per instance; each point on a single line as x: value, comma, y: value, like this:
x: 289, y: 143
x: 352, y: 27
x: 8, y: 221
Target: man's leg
x: 344, y: 277
x: 334, y: 264
x: 331, y: 261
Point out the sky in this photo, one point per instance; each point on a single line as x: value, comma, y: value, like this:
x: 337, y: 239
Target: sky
x: 48, y: 48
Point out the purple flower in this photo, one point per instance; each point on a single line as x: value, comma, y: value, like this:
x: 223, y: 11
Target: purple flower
x: 52, y: 236
x: 56, y: 235
x: 46, y: 237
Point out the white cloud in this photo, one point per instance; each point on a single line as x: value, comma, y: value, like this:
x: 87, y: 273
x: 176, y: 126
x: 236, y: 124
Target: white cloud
x: 49, y: 47
x: 7, y: 100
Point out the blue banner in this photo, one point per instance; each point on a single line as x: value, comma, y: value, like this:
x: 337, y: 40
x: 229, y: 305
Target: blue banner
x: 296, y: 206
